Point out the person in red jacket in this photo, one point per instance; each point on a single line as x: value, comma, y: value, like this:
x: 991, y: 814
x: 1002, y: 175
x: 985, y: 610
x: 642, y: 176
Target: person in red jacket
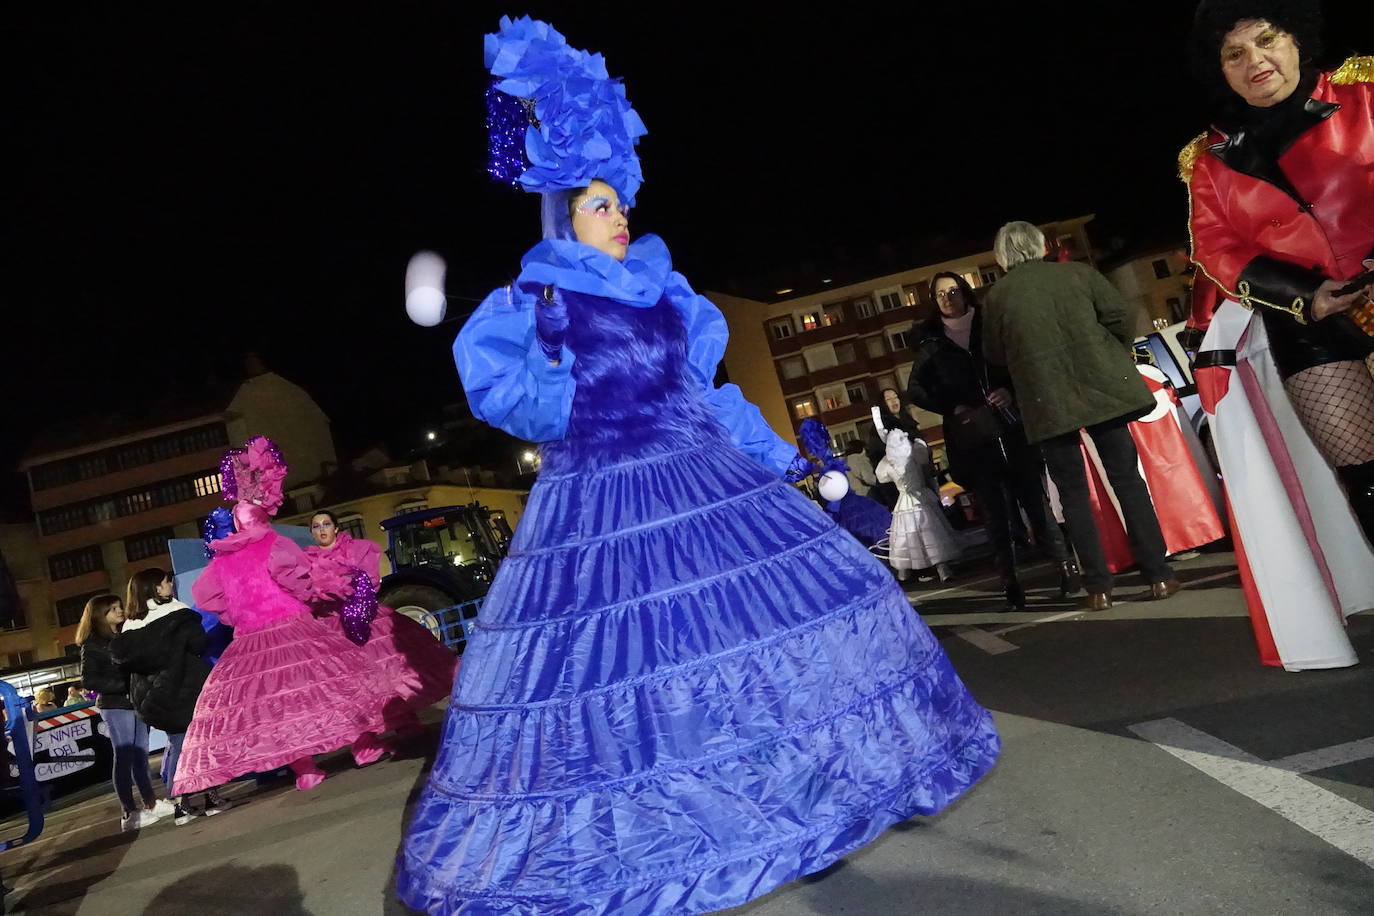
x: 1281, y: 194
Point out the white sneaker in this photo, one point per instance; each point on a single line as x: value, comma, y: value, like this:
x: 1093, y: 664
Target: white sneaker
x: 137, y: 820
x: 164, y: 808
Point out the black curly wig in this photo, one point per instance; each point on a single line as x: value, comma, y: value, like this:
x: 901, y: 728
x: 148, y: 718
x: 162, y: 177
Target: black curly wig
x: 1216, y: 18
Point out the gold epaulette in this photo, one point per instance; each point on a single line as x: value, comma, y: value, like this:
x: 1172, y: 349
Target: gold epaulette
x: 1188, y: 156
x: 1354, y: 70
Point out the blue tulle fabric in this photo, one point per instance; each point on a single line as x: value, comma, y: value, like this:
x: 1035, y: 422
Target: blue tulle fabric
x: 687, y: 685
x: 584, y: 126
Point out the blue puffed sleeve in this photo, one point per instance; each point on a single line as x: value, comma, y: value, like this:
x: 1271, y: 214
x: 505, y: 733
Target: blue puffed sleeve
x: 707, y: 335
x: 508, y: 380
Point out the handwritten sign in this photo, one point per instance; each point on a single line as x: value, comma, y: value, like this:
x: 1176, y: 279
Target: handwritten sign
x: 46, y: 771
x: 52, y: 746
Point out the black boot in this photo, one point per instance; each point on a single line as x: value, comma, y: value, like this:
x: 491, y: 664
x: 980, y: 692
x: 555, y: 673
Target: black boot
x: 1070, y: 580
x: 1006, y: 568
x: 1358, y: 480
x: 1016, y: 595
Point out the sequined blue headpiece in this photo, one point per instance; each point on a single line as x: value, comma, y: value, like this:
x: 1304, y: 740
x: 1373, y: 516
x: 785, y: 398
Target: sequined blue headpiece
x: 556, y: 120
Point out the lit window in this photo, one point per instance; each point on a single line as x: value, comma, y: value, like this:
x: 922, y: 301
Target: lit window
x: 208, y: 485
x: 804, y: 409
x: 833, y: 316
x: 810, y: 321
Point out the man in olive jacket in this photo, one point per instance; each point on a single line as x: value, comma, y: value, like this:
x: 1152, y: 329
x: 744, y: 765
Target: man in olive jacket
x: 1065, y: 334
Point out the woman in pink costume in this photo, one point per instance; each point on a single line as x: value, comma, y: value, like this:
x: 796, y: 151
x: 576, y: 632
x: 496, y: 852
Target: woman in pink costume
x: 418, y: 667
x: 286, y: 688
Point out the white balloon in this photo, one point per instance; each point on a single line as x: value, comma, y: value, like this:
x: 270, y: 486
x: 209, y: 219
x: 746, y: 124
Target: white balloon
x: 425, y: 305
x: 425, y: 302
x: 833, y: 486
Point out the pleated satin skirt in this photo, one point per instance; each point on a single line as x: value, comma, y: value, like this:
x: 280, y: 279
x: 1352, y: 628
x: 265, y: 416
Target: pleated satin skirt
x: 278, y: 693
x: 687, y: 686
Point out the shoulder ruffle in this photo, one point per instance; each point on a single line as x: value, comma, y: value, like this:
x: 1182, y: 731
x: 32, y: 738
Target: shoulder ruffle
x: 1188, y: 156
x: 1355, y: 70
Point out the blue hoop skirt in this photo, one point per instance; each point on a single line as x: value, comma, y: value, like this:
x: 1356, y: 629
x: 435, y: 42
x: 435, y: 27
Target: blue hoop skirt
x: 687, y: 687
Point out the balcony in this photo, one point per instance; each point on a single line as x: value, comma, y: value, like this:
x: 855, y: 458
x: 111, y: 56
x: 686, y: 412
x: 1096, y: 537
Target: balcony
x: 845, y: 414
x: 810, y: 338
x: 79, y: 585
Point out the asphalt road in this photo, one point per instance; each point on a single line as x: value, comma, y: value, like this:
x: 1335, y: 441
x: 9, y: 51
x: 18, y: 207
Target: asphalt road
x: 1151, y: 765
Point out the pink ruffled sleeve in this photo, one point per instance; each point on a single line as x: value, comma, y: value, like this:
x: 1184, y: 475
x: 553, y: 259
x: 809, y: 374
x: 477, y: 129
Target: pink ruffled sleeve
x: 289, y: 567
x: 365, y: 555
x: 208, y: 593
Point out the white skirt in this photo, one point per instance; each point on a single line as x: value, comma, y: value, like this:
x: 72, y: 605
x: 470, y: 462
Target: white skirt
x: 920, y: 536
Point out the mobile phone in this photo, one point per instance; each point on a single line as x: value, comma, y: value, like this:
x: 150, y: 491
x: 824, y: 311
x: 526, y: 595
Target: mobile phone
x: 878, y: 420
x: 1359, y: 281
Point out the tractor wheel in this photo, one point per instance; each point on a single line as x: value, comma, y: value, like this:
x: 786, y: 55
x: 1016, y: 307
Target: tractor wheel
x: 420, y: 603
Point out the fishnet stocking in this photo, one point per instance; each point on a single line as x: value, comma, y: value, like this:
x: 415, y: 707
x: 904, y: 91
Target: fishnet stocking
x: 1335, y: 403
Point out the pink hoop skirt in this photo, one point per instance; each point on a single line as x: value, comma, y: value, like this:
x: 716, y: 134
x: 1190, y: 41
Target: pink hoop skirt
x: 419, y: 668
x: 287, y: 690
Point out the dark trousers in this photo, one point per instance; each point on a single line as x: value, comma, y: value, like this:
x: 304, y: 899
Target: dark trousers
x: 1116, y: 448
x: 1003, y: 489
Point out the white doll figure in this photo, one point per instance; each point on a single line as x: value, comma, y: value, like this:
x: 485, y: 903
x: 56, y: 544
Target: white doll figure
x: 920, y: 536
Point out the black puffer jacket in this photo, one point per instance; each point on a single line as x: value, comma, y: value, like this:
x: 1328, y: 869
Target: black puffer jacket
x: 166, y: 669
x: 945, y: 376
x: 100, y: 673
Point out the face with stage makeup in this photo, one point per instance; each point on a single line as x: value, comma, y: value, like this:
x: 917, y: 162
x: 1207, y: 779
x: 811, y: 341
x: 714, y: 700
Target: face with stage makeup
x: 600, y: 220
x: 1261, y: 62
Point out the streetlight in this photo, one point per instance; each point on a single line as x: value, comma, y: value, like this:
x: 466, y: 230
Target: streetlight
x: 431, y: 435
x: 528, y: 457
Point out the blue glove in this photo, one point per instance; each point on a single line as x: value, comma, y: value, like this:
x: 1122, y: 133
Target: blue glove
x: 800, y: 468
x: 551, y: 323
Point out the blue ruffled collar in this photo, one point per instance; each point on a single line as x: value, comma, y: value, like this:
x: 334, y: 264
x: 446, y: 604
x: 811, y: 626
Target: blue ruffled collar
x: 639, y: 280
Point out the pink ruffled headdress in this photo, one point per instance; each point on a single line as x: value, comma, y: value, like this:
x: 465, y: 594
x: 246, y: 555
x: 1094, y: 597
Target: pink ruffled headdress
x: 255, y: 474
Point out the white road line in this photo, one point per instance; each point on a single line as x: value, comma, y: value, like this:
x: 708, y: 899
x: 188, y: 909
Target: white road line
x: 925, y: 596
x: 1221, y: 575
x: 1325, y: 815
x: 1327, y: 757
x: 989, y: 643
x: 1035, y: 623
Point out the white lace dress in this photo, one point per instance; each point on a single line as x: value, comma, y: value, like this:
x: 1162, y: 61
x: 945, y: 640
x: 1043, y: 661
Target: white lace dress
x: 920, y: 536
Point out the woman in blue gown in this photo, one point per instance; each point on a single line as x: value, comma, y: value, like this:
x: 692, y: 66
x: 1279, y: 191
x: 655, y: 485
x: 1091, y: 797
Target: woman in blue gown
x: 687, y: 686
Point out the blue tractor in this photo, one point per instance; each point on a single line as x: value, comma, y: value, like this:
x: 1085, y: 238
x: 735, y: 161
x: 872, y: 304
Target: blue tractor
x: 443, y: 561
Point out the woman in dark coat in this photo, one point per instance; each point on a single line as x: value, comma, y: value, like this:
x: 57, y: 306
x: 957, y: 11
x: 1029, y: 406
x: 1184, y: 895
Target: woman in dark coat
x: 100, y: 622
x: 166, y: 670
x: 949, y: 376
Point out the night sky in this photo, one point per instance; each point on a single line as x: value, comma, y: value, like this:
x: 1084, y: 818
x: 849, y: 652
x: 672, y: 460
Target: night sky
x: 199, y: 181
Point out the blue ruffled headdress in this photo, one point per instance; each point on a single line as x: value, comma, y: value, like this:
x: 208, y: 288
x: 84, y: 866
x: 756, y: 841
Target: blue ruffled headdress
x: 557, y: 120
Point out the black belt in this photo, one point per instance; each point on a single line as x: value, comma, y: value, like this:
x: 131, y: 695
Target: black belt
x: 1209, y: 358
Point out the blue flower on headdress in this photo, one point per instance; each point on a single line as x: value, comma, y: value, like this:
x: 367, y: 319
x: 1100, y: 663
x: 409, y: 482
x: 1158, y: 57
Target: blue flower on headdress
x: 581, y: 125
